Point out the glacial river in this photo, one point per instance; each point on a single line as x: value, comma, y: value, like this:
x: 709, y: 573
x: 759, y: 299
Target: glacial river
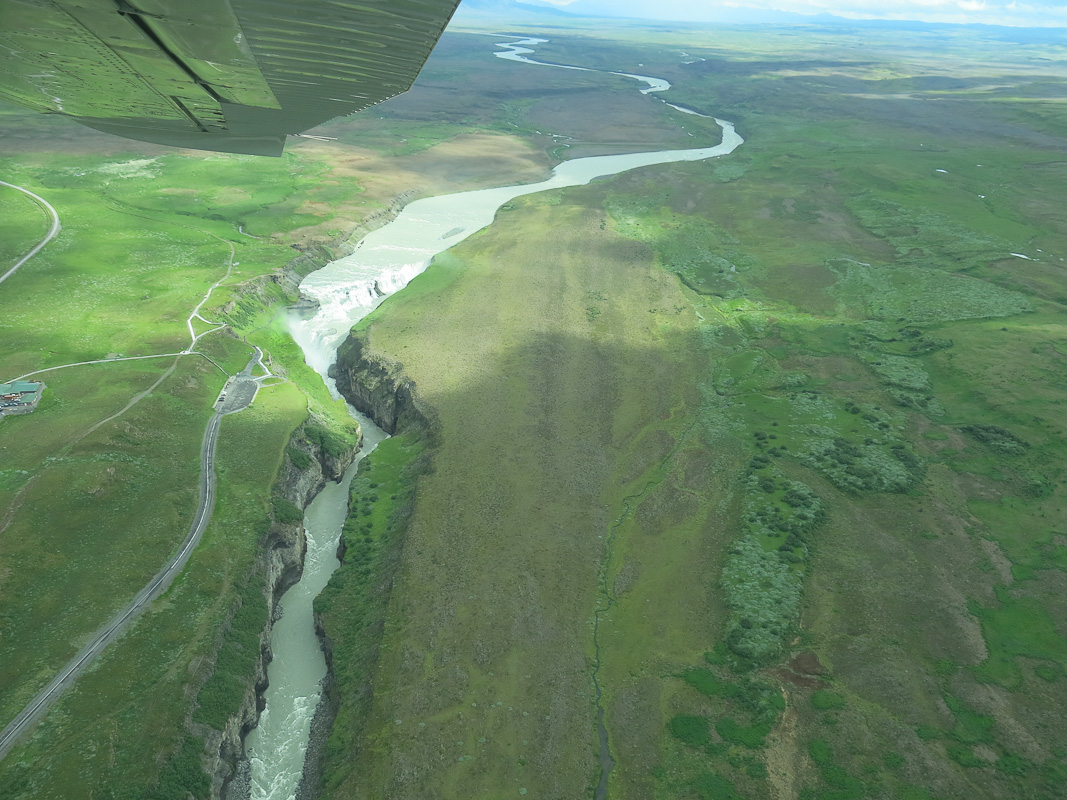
x: 346, y: 290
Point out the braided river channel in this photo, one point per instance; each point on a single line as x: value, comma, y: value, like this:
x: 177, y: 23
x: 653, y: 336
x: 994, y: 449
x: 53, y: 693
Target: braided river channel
x: 346, y: 290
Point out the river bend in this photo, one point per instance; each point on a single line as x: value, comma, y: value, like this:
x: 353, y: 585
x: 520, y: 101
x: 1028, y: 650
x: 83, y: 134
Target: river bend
x: 346, y: 290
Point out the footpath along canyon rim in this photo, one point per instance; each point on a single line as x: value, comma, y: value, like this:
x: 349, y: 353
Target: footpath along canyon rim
x: 345, y: 291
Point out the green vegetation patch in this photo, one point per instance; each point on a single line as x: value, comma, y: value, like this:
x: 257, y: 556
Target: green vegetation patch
x: 709, y: 786
x: 751, y: 736
x: 298, y: 458
x: 996, y: 438
x: 25, y: 224
x: 1017, y: 627
x: 971, y: 727
x: 706, y: 682
x: 284, y: 511
x: 899, y: 371
x: 922, y: 296
x: 691, y: 730
x: 1028, y: 539
x: 763, y: 595
x: 182, y: 775
x: 926, y: 237
x: 332, y: 443
x: 842, y: 784
x: 132, y: 706
x: 826, y: 700
x: 352, y: 607
x: 874, y: 466
x: 761, y: 587
x: 236, y: 659
x: 705, y: 257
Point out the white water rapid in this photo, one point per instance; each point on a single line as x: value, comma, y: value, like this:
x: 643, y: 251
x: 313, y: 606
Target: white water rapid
x: 277, y: 746
x: 346, y: 290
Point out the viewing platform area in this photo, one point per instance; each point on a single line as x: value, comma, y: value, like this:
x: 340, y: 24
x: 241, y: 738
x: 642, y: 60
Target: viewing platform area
x: 20, y: 397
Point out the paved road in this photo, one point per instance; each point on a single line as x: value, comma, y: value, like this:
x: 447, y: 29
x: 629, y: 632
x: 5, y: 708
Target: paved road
x: 240, y: 391
x: 51, y: 233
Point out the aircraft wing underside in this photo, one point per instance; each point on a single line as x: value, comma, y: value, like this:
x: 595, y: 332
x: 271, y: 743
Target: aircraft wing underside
x: 229, y: 75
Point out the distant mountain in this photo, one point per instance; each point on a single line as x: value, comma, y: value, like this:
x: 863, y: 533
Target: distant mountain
x: 666, y: 11
x: 712, y: 13
x: 511, y: 9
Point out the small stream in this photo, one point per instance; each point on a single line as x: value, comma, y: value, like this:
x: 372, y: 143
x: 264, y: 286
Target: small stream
x: 346, y: 290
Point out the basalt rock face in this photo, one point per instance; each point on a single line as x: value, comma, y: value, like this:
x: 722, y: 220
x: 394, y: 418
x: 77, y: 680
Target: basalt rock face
x: 300, y: 478
x: 312, y: 257
x: 286, y: 544
x: 377, y: 387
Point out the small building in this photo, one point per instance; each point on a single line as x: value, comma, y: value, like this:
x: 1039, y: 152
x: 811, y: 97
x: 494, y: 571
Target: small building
x: 20, y: 397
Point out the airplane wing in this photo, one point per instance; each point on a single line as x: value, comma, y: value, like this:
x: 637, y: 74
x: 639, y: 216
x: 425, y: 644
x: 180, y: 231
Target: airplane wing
x: 230, y: 75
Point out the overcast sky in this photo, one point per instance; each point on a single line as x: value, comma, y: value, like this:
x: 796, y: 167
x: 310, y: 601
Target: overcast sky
x: 1029, y: 13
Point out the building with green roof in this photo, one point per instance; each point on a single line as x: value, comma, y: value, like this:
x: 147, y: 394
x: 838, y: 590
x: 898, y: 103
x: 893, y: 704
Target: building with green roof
x: 20, y: 397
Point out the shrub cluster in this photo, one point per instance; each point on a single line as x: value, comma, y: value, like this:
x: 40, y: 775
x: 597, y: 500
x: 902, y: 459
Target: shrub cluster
x: 183, y: 775
x: 224, y: 691
x: 761, y: 700
x: 298, y: 458
x: 900, y: 371
x: 763, y: 595
x: 751, y: 736
x: 907, y: 381
x: 690, y: 730
x: 285, y: 512
x: 761, y: 589
x: 919, y: 344
x: 825, y: 700
x: 997, y: 439
x: 794, y: 515
x: 330, y: 442
x: 844, y: 786
x: 870, y: 467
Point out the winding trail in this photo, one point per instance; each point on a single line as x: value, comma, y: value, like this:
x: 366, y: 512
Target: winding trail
x: 113, y: 360
x: 193, y: 335
x: 53, y: 231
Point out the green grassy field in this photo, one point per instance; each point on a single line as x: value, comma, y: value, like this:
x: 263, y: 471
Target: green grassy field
x: 145, y: 232
x: 500, y: 584
x: 97, y: 492
x: 771, y: 446
x: 116, y: 732
x: 26, y: 223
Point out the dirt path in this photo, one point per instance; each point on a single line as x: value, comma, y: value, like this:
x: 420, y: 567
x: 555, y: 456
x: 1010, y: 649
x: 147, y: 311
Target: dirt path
x: 53, y: 231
